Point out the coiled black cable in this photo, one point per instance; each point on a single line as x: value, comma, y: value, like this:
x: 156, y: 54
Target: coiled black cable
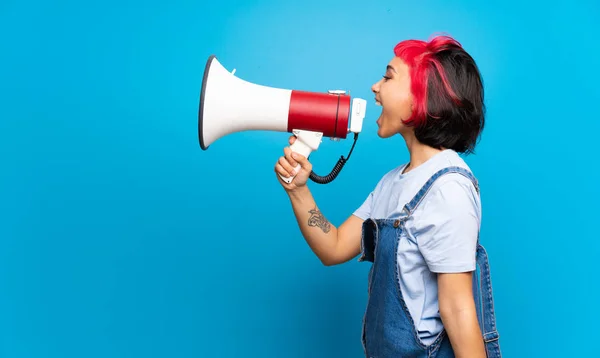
x: 337, y: 168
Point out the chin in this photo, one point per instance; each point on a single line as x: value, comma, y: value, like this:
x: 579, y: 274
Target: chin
x: 382, y: 133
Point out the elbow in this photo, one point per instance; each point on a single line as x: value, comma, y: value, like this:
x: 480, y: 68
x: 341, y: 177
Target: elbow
x: 458, y: 314
x: 454, y: 309
x: 330, y: 256
x: 329, y: 261
x: 446, y: 313
x: 447, y: 307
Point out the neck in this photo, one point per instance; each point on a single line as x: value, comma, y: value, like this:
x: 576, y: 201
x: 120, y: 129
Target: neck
x: 419, y: 152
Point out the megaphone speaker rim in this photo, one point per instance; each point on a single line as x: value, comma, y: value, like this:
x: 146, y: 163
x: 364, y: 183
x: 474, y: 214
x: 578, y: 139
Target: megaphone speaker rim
x: 201, y: 107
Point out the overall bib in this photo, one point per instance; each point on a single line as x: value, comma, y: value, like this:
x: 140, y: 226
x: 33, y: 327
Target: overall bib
x: 388, y: 328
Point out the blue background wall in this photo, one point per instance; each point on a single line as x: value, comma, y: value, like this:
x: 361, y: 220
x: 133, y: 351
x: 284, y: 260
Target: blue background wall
x: 121, y: 238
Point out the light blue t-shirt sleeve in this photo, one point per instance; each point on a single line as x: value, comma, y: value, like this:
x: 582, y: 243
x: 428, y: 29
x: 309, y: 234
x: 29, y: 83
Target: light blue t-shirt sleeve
x: 448, y: 227
x: 364, y: 211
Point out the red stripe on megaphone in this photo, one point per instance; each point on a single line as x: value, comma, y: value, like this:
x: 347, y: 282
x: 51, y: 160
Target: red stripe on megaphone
x: 320, y: 112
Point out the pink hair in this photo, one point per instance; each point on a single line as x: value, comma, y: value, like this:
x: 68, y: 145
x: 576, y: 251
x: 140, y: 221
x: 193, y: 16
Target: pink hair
x: 420, y: 57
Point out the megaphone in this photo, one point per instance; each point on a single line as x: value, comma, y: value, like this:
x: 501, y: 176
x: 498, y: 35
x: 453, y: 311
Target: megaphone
x: 229, y: 104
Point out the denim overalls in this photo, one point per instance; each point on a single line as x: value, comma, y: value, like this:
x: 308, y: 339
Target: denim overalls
x: 388, y: 328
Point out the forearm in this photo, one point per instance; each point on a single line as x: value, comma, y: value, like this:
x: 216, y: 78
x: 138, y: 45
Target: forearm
x: 318, y: 232
x: 464, y: 333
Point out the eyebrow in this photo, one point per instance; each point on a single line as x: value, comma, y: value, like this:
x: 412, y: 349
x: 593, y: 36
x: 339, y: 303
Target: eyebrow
x: 391, y: 68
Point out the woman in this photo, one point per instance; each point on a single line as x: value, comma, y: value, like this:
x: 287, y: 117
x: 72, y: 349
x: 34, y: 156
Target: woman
x: 420, y: 225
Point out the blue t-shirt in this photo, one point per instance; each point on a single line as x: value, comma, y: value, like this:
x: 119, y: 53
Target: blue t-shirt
x: 441, y: 236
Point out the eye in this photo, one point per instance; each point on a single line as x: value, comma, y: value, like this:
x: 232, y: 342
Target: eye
x: 386, y: 77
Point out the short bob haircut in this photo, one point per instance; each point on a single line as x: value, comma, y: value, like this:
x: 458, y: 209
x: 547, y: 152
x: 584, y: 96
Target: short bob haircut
x: 447, y: 89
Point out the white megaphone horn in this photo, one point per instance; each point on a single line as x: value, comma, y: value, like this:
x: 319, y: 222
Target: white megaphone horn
x: 229, y: 104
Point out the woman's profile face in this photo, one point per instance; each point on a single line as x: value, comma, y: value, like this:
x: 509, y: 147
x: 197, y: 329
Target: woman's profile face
x: 393, y: 93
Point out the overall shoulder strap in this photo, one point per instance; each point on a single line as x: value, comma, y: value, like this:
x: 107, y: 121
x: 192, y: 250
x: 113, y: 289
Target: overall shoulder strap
x: 416, y: 200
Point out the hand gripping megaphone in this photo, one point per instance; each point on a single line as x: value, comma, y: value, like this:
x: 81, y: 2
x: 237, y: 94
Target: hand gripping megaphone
x: 229, y: 104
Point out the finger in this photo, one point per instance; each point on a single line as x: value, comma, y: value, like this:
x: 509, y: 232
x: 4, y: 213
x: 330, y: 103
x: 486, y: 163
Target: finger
x: 292, y: 139
x: 280, y: 171
x: 287, y: 168
x: 286, y: 165
x: 288, y: 156
x: 299, y: 158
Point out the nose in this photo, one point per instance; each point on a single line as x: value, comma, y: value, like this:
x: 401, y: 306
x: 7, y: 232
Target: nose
x: 375, y: 87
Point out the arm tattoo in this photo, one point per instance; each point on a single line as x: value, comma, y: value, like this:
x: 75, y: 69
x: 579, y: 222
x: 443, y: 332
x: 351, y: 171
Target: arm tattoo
x: 318, y: 220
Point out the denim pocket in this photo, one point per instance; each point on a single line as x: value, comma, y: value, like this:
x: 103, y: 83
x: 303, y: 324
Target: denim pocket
x: 368, y: 240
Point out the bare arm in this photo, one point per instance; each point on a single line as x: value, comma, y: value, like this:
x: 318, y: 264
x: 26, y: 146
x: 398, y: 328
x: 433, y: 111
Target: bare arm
x: 331, y: 244
x: 457, y: 310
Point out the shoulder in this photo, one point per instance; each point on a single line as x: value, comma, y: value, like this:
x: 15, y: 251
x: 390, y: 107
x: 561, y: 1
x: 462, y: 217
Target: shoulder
x: 452, y: 201
x: 453, y: 188
x: 453, y: 194
x: 451, y: 207
x: 446, y: 224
